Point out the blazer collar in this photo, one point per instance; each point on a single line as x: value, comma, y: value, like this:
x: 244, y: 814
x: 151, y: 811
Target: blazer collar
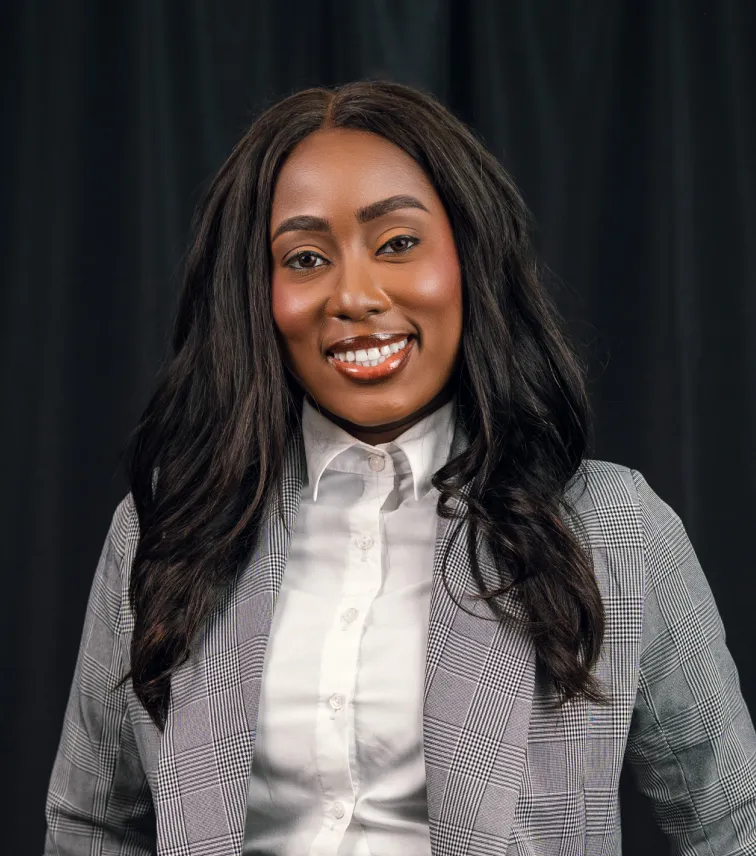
x: 478, y: 689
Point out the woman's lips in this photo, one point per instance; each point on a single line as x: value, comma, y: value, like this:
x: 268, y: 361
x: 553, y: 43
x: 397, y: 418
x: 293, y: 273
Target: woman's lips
x: 390, y: 366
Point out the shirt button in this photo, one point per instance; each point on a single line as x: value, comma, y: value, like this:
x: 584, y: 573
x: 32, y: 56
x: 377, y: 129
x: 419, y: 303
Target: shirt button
x: 336, y: 701
x: 376, y: 463
x: 350, y: 614
x: 365, y: 542
x: 337, y: 810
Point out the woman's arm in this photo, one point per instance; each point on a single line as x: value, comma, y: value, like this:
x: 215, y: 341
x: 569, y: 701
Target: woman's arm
x: 692, y: 745
x: 99, y: 800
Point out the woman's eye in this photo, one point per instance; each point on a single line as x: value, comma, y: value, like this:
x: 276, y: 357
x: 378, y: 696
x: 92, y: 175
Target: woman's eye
x: 307, y: 260
x: 399, y: 244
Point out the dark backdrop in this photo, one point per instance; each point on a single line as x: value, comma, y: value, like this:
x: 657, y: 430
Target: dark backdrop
x: 630, y: 126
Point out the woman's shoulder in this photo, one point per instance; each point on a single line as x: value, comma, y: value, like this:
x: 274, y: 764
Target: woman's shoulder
x: 631, y: 529
x: 606, y: 498
x: 617, y: 496
x: 124, y: 528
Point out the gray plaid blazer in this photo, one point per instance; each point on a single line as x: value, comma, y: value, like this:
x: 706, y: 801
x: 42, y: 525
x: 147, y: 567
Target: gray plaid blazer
x: 507, y: 772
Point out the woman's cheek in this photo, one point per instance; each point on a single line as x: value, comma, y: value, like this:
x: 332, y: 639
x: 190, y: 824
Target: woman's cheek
x: 291, y: 309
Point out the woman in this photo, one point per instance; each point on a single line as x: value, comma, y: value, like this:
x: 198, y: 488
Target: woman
x: 373, y: 423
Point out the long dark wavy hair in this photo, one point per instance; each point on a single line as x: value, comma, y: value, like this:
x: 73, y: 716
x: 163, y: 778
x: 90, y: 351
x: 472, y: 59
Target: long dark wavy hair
x: 206, y: 459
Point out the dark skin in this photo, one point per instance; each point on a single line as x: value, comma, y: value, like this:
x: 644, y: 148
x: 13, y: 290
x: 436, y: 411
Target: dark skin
x: 394, y: 272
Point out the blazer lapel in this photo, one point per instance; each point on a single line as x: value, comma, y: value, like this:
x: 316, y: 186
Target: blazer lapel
x: 208, y: 742
x: 479, y: 684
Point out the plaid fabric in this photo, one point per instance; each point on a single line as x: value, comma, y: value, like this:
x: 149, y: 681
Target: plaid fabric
x: 508, y: 772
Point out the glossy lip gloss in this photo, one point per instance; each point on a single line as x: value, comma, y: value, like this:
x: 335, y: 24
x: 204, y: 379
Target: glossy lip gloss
x: 389, y: 367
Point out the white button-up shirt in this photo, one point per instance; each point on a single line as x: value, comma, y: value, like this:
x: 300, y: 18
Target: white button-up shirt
x: 338, y: 766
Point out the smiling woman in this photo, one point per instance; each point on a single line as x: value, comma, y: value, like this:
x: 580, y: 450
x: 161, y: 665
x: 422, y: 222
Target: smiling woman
x: 367, y: 594
x: 376, y: 264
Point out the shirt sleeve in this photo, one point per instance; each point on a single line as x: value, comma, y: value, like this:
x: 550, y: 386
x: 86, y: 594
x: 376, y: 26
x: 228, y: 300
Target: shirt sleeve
x: 99, y: 800
x: 691, y: 746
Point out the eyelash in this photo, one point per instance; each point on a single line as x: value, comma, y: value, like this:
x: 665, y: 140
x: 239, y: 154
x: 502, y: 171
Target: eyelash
x: 415, y: 242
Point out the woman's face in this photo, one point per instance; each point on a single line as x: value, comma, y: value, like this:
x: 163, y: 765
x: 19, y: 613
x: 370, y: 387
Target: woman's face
x: 363, y: 258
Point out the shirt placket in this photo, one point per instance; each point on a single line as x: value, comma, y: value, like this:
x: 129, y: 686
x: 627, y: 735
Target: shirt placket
x: 335, y: 725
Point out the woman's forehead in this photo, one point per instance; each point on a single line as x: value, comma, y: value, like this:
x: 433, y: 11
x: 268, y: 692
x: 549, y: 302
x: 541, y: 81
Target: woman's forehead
x: 349, y: 166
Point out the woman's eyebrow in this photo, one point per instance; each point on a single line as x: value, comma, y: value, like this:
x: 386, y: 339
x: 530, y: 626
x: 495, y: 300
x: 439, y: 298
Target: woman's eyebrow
x: 302, y: 223
x: 309, y: 223
x: 386, y: 206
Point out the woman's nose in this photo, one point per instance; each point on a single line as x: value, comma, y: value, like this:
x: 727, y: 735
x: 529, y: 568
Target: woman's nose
x: 357, y: 293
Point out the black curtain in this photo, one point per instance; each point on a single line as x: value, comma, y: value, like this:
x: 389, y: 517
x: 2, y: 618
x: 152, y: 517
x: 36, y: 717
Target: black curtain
x: 630, y: 127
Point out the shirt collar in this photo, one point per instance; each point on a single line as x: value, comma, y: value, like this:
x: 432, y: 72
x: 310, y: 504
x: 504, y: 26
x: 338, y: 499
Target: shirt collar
x: 426, y: 444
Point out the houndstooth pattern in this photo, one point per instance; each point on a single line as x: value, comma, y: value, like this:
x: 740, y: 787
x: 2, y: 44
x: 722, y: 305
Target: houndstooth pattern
x: 507, y: 771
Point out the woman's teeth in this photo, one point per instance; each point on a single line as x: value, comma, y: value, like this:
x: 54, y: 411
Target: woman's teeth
x: 371, y: 356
